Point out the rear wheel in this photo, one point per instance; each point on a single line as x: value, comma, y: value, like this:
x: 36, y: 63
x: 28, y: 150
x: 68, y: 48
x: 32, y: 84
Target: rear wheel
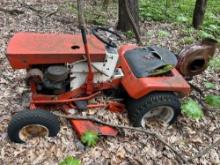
x: 164, y: 106
x: 26, y: 125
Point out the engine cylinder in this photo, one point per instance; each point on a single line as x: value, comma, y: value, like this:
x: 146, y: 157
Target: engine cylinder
x: 56, y: 73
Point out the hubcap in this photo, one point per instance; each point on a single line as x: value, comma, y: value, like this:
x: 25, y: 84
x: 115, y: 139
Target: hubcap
x: 33, y: 130
x: 163, y: 113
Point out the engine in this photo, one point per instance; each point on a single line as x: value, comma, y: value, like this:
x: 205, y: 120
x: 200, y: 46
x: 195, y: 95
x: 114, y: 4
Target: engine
x: 51, y: 80
x: 57, y: 79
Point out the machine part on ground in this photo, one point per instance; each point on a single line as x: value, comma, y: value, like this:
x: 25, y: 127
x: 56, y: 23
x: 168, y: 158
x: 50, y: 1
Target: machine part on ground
x: 82, y: 126
x: 28, y: 124
x: 164, y: 106
x: 35, y: 75
x: 193, y: 60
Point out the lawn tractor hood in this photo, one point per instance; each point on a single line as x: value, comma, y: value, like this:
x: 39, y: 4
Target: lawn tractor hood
x: 193, y: 60
x: 26, y: 49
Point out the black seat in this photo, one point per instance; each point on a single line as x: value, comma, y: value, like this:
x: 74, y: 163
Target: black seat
x: 143, y: 61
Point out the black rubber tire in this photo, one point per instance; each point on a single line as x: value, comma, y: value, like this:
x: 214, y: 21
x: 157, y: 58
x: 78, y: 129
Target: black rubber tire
x: 138, y: 108
x: 26, y: 117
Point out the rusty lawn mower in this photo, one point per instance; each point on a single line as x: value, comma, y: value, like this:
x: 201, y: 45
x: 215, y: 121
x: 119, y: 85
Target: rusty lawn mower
x: 65, y: 71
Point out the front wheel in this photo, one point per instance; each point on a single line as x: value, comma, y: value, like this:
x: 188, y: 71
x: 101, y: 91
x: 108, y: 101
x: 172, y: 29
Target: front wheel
x: 29, y: 124
x: 164, y: 106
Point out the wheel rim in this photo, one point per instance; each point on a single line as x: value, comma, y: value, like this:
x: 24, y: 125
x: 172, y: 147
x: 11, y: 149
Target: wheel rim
x: 33, y: 130
x: 163, y: 113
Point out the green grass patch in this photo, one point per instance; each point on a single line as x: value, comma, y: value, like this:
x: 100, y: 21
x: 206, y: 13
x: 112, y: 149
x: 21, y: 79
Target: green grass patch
x: 69, y: 160
x: 210, y: 85
x: 213, y: 101
x: 214, y: 64
x: 181, y: 12
x: 129, y: 34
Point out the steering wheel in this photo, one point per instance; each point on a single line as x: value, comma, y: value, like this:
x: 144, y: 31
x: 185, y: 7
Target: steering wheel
x: 106, y: 38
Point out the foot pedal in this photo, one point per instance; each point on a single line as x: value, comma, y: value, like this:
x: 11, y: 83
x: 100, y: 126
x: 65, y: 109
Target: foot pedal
x: 82, y: 105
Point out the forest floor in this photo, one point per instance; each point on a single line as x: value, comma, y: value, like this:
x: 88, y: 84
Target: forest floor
x: 186, y: 136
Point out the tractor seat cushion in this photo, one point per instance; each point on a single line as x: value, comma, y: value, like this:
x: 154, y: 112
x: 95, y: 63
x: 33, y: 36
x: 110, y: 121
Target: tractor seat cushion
x: 144, y: 61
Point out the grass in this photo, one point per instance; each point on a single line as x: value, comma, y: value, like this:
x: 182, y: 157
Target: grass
x: 181, y: 12
x: 214, y: 64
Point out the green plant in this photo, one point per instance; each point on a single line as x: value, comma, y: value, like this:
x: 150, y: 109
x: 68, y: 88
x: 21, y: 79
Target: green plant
x: 90, y: 138
x: 149, y: 33
x: 192, y: 109
x: 187, y: 40
x: 214, y: 64
x: 205, y: 34
x: 129, y: 34
x: 182, y: 18
x: 163, y: 33
x: 69, y: 160
x: 213, y: 100
x: 180, y: 12
x: 210, y: 85
x: 163, y: 70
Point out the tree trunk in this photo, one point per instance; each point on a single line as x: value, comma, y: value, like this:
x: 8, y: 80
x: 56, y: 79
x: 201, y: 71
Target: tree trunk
x: 199, y: 13
x: 123, y: 22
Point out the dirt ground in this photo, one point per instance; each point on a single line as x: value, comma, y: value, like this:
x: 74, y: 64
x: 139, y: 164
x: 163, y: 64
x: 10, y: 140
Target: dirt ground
x: 129, y: 147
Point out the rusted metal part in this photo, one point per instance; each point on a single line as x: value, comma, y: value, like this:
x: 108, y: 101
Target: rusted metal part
x: 34, y: 75
x: 193, y: 60
x: 143, y: 86
x: 47, y: 100
x: 114, y: 106
x: 82, y: 126
x: 26, y: 49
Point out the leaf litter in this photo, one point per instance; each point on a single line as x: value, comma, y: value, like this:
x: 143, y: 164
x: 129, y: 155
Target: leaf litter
x: 128, y: 147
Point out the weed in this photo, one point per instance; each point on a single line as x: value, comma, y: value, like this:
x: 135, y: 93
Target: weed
x: 210, y: 85
x: 69, y: 160
x: 129, y: 34
x: 214, y: 64
x: 90, y: 138
x: 192, y: 109
x: 163, y: 34
x: 213, y: 101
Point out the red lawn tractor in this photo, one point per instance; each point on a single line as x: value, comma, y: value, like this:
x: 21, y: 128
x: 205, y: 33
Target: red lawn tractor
x: 66, y: 71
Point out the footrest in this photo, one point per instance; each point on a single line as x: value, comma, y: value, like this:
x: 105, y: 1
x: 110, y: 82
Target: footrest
x: 82, y: 126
